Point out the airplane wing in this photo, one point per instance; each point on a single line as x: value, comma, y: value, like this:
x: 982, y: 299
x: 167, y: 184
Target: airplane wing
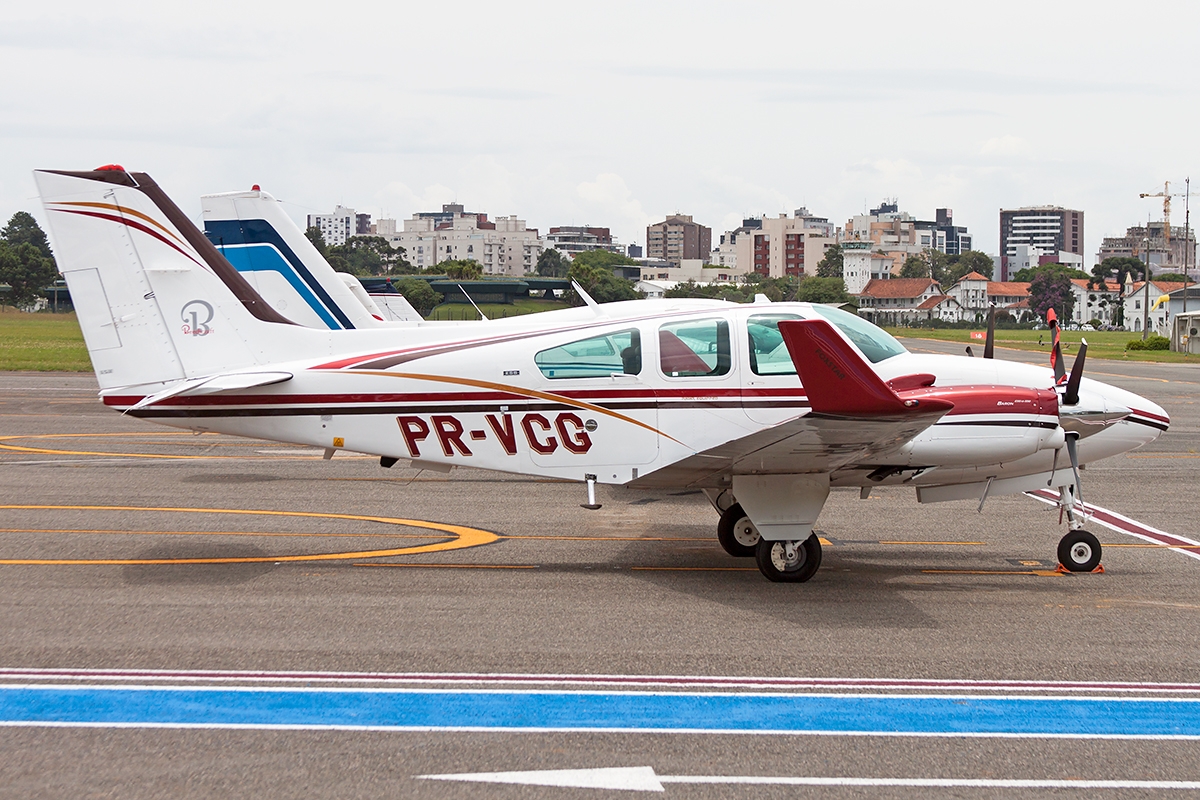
x: 854, y: 414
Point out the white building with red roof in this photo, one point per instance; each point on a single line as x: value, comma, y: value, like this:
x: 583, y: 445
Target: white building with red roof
x: 896, y: 301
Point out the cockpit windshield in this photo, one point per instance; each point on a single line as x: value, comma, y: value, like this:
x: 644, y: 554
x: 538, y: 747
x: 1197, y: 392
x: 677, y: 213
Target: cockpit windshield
x: 875, y: 343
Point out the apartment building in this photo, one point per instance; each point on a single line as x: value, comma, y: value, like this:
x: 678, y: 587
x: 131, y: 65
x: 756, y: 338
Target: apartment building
x: 678, y: 237
x: 784, y: 246
x: 571, y: 240
x: 1047, y: 228
x: 505, y: 246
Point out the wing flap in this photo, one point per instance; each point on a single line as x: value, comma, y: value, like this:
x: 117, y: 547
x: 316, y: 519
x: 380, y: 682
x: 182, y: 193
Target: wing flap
x: 213, y: 384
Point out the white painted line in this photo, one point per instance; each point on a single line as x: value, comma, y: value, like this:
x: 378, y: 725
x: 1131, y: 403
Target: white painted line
x: 644, y: 779
x: 1122, y: 524
x: 601, y: 680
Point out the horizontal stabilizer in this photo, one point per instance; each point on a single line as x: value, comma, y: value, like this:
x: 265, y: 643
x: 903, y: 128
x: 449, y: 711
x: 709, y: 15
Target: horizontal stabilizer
x: 839, y: 381
x: 217, y: 383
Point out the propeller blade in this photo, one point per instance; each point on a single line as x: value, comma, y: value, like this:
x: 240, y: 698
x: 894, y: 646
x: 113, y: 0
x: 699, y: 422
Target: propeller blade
x: 1071, y: 395
x: 969, y: 353
x: 1074, y: 454
x: 989, y: 347
x: 1056, y: 358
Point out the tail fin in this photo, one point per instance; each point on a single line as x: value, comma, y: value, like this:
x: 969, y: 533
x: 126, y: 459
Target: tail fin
x: 156, y: 301
x: 261, y: 241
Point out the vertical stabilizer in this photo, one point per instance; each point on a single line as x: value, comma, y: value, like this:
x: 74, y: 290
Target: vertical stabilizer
x: 254, y: 233
x: 155, y: 301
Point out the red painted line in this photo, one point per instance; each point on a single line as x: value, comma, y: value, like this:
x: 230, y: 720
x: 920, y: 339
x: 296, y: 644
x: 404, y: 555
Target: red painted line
x: 1122, y: 524
x: 923, y: 684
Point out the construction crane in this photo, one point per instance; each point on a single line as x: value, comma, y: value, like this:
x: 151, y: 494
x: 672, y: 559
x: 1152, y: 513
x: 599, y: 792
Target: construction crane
x: 1166, y: 195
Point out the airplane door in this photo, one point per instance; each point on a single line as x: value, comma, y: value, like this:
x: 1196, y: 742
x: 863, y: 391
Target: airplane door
x: 771, y: 391
x: 599, y: 416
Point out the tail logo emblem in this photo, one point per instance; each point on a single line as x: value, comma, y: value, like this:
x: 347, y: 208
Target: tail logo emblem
x: 196, y: 315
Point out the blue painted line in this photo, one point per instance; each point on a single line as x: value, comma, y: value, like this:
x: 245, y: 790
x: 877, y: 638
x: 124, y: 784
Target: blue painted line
x: 590, y: 711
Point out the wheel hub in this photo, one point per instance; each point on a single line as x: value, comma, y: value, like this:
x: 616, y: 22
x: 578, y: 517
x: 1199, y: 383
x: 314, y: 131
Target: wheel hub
x: 745, y: 533
x: 1080, y: 552
x: 787, y: 557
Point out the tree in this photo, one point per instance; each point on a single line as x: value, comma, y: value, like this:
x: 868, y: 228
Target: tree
x: 1051, y: 288
x: 816, y: 289
x: 1119, y: 267
x: 27, y: 271
x: 831, y: 265
x: 461, y: 270
x: 314, y: 235
x: 551, y: 264
x: 367, y: 255
x: 915, y: 267
x: 966, y: 263
x: 600, y: 283
x: 418, y: 293
x: 22, y: 228
x: 603, y: 258
x: 1171, y: 277
x: 1029, y: 273
x: 26, y: 263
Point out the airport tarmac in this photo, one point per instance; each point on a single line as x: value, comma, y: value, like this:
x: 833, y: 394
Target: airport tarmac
x: 210, y: 616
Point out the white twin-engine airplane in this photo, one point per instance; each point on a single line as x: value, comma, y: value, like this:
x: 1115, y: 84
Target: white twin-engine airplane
x: 764, y: 407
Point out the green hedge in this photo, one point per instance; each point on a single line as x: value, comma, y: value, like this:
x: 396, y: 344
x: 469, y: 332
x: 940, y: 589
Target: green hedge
x: 1154, y: 342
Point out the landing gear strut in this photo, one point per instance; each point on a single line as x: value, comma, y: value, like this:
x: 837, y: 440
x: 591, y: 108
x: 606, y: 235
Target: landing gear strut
x: 789, y: 562
x: 1079, y: 551
x: 737, y: 533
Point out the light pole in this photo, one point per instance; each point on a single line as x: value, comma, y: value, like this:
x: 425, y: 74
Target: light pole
x: 1187, y: 236
x: 1146, y: 301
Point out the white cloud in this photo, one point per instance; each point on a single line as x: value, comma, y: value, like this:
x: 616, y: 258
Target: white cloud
x: 1006, y: 145
x: 611, y: 203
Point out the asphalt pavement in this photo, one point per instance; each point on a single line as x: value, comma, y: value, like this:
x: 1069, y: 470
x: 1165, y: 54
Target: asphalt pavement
x: 133, y: 555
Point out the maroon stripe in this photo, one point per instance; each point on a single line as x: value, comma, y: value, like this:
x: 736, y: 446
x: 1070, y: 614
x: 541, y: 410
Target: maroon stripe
x: 133, y: 224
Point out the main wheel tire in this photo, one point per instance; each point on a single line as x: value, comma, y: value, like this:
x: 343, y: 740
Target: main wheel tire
x: 775, y: 566
x: 737, y: 533
x: 1079, y: 551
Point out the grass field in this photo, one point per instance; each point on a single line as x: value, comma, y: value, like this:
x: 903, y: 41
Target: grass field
x: 53, y: 343
x: 522, y: 305
x: 41, y: 342
x: 1101, y: 344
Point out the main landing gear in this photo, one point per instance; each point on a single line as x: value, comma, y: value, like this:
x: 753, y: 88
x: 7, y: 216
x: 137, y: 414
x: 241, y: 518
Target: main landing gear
x: 782, y: 562
x: 737, y: 533
x: 789, y: 562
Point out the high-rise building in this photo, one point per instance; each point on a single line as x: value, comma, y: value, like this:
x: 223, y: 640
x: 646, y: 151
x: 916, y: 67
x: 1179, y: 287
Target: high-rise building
x: 1048, y: 228
x: 678, y: 237
x: 571, y: 240
x: 783, y: 246
x: 503, y: 247
x: 956, y: 240
x: 1150, y: 244
x: 337, y: 227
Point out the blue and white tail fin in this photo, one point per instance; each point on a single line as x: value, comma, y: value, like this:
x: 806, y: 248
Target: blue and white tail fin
x: 254, y: 233
x: 155, y: 300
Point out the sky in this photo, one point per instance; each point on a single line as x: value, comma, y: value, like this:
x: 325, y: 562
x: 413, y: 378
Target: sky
x: 615, y: 114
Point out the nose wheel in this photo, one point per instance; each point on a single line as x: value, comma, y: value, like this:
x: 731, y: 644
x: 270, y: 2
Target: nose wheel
x: 1079, y: 551
x: 788, y: 562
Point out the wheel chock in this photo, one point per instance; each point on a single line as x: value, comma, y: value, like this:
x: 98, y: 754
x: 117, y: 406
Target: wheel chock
x: 1061, y: 570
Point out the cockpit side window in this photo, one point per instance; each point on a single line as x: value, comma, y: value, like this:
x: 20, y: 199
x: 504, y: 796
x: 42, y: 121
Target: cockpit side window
x: 694, y: 348
x: 594, y: 357
x: 768, y: 354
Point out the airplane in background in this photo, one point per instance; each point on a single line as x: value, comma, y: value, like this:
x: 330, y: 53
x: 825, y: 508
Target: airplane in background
x: 764, y: 407
x: 255, y: 235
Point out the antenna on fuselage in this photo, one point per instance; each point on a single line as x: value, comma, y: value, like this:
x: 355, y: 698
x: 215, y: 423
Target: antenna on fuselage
x: 587, y: 298
x: 482, y: 316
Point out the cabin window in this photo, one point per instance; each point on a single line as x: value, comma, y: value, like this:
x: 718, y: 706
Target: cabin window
x: 596, y: 357
x: 694, y: 348
x: 875, y: 343
x: 768, y: 354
